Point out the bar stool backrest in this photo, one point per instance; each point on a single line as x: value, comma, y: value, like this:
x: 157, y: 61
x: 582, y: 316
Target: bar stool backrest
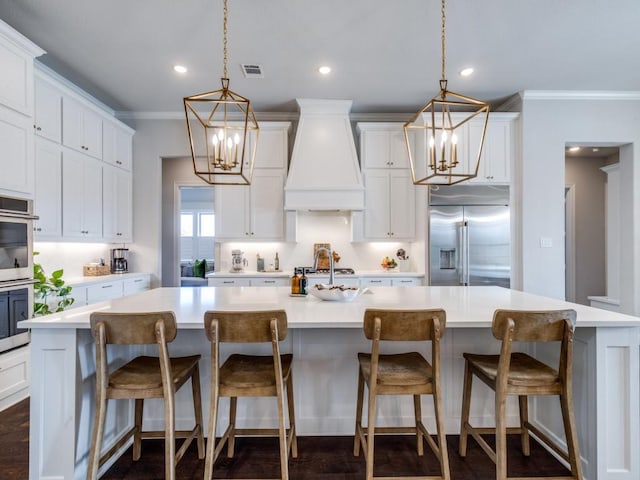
x: 245, y: 327
x: 534, y: 326
x: 133, y: 328
x: 405, y: 325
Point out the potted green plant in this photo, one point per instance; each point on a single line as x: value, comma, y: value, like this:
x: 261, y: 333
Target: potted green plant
x: 50, y: 293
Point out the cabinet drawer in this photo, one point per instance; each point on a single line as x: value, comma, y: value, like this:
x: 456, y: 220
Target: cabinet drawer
x: 269, y: 282
x: 104, y: 291
x: 406, y: 282
x: 229, y: 282
x: 135, y: 285
x: 375, y: 282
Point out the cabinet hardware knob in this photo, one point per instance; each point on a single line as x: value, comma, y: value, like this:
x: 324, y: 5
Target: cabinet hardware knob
x: 39, y: 229
x: 39, y: 129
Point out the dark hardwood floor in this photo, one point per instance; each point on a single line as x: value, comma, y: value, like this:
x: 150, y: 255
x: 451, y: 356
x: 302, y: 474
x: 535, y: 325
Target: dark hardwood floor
x: 319, y: 458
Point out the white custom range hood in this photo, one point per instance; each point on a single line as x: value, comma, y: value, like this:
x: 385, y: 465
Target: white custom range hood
x: 324, y: 173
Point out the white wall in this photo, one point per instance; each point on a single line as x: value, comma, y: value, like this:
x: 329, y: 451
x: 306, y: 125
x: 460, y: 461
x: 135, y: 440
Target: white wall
x: 547, y: 125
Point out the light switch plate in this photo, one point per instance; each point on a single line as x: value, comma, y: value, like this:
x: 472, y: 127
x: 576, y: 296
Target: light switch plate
x: 546, y: 242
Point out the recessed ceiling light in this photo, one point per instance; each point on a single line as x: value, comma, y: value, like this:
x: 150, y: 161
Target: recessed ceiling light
x: 595, y: 149
x: 324, y: 70
x: 574, y: 149
x: 180, y: 68
x: 465, y: 72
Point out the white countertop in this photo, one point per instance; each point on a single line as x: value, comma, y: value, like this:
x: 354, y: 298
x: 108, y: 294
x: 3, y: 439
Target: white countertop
x: 287, y: 274
x: 466, y: 307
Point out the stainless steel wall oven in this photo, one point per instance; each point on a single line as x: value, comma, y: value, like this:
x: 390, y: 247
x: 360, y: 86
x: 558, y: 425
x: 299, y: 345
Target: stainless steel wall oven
x: 16, y: 269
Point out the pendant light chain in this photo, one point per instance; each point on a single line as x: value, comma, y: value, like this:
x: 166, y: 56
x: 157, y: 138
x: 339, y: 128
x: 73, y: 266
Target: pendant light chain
x: 224, y: 41
x: 442, y: 38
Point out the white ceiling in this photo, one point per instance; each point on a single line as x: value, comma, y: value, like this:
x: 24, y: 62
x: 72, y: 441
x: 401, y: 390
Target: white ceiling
x: 385, y: 54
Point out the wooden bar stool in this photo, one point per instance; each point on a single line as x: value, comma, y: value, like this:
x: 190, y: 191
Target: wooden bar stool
x: 515, y: 373
x: 249, y: 376
x: 141, y: 378
x: 401, y: 374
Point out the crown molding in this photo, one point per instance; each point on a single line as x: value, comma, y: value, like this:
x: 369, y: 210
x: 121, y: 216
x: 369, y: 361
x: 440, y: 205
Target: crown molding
x: 579, y: 95
x: 265, y: 116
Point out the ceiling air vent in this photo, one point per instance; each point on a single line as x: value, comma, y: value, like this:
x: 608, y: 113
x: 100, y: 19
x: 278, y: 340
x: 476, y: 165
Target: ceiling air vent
x: 251, y: 70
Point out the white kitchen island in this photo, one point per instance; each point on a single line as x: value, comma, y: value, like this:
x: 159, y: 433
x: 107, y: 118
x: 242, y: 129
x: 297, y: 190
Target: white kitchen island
x: 325, y: 338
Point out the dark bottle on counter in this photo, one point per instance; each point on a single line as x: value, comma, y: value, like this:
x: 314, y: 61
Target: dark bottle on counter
x: 303, y: 282
x: 276, y: 263
x: 295, y: 283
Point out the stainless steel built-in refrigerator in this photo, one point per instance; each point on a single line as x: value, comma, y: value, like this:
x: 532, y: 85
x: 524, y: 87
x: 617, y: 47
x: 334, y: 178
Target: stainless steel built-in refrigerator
x: 469, y: 234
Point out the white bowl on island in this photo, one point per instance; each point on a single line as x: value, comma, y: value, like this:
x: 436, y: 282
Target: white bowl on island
x: 335, y: 293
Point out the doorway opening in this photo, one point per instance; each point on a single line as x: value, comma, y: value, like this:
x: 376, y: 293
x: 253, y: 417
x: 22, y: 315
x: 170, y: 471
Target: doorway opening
x: 196, y: 228
x: 586, y: 221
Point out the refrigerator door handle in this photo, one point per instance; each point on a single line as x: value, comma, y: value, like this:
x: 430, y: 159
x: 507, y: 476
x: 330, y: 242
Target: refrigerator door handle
x: 460, y: 262
x: 465, y: 253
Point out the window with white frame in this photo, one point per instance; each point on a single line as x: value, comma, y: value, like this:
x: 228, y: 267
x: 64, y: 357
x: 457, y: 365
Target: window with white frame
x: 197, y: 233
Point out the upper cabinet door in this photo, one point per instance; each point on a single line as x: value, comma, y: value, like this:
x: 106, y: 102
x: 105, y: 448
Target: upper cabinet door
x: 383, y: 146
x: 16, y: 79
x: 48, y: 111
x: 271, y: 151
x: 117, y: 146
x: 16, y: 160
x: 495, y: 160
x: 267, y: 204
x: 81, y: 128
x: 48, y: 190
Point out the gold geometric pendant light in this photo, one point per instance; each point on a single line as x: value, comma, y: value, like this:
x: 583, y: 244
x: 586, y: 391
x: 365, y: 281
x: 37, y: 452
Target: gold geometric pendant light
x: 436, y: 136
x: 223, y: 132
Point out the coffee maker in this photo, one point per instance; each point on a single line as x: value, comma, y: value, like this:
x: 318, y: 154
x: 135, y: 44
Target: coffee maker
x: 119, y: 260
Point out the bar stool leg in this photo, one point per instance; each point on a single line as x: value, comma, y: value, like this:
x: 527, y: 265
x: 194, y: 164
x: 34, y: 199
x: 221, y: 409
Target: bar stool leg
x: 442, y: 434
x: 197, y: 409
x: 137, y: 436
x: 466, y: 406
x: 417, y: 408
x: 292, y: 417
x: 98, y: 431
x: 169, y: 437
x: 231, y: 442
x: 570, y: 433
x: 211, y: 433
x: 523, y: 401
x: 356, y: 437
x: 282, y: 436
x: 371, y: 429
x: 501, y: 437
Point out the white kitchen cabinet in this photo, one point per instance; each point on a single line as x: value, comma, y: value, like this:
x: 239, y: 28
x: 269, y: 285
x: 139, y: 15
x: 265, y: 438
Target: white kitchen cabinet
x: 16, y: 153
x: 16, y: 64
x: 228, y: 282
x: 272, y: 145
x: 81, y: 127
x: 390, y: 281
x: 104, y: 291
x: 270, y: 282
x: 81, y: 197
x: 48, y: 110
x: 254, y: 212
x: 15, y: 368
x: 116, y: 213
x: 382, y: 145
x: 48, y: 190
x: 79, y: 295
x: 389, y: 205
x: 136, y: 285
x: 496, y: 157
x: 117, y: 145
